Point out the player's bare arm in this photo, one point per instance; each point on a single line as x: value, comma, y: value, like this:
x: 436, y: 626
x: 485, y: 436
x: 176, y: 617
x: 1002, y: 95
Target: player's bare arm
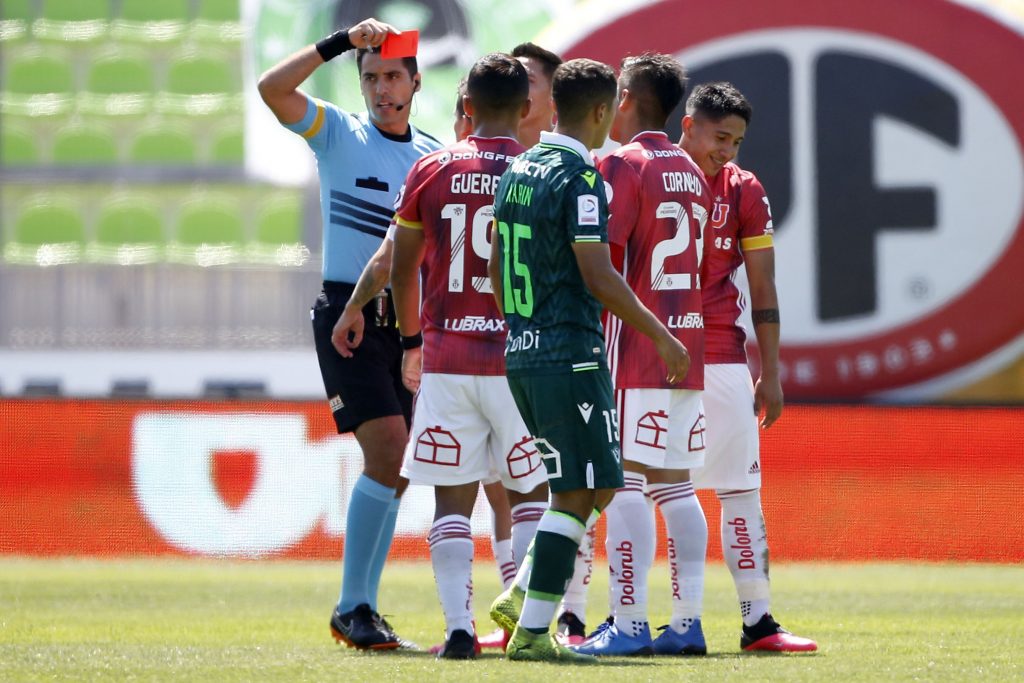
x: 348, y: 331
x: 764, y: 305
x: 279, y: 85
x: 410, y: 246
x: 611, y: 290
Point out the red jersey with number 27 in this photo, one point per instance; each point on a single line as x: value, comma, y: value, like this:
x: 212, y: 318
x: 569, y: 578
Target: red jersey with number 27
x: 449, y: 194
x: 740, y: 221
x: 659, y: 203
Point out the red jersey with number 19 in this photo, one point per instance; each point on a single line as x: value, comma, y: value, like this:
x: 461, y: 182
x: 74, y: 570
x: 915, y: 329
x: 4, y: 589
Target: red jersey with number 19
x: 659, y: 202
x: 449, y: 194
x: 741, y: 221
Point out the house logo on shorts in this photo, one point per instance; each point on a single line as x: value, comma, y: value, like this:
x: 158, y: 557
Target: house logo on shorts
x: 523, y: 459
x: 438, y: 446
x: 651, y: 429
x: 697, y: 434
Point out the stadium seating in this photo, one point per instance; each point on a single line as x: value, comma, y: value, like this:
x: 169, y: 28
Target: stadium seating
x: 72, y: 20
x: 150, y: 21
x: 128, y: 232
x: 37, y: 83
x: 200, y: 83
x: 48, y: 232
x: 119, y: 83
x: 278, y: 239
x: 15, y: 20
x: 84, y: 145
x: 209, y: 231
x: 162, y: 143
x: 227, y: 146
x: 18, y: 147
x: 217, y: 21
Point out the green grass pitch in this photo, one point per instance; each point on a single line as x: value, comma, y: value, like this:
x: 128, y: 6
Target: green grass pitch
x: 200, y: 620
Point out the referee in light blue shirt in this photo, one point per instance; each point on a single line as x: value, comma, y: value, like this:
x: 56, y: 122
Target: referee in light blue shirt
x: 362, y: 161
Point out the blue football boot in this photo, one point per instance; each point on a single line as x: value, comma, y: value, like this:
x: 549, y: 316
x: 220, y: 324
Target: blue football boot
x: 689, y: 643
x: 611, y: 642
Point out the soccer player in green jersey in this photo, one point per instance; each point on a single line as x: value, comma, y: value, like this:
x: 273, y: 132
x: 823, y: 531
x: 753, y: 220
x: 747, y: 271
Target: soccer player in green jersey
x: 551, y: 273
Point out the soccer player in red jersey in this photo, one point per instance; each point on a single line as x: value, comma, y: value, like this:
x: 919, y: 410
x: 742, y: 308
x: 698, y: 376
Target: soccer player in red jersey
x: 659, y: 202
x: 466, y: 421
x: 739, y: 233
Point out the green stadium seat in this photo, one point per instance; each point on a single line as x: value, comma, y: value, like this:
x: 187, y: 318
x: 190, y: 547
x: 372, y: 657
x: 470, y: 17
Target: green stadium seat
x: 228, y: 147
x: 49, y: 232
x: 278, y: 239
x: 218, y: 21
x: 151, y: 21
x: 84, y: 145
x: 72, y: 20
x: 201, y: 83
x: 119, y: 83
x: 37, y: 83
x: 15, y: 19
x: 129, y: 231
x: 17, y: 147
x: 163, y: 144
x: 210, y: 232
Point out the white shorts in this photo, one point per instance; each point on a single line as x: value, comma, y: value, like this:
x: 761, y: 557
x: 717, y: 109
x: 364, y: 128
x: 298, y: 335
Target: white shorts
x: 733, y: 459
x: 662, y: 428
x: 465, y: 428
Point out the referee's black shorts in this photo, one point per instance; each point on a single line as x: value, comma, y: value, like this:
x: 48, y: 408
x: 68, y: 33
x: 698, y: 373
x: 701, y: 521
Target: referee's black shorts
x: 368, y: 385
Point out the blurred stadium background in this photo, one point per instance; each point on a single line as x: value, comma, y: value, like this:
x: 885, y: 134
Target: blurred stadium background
x: 160, y: 245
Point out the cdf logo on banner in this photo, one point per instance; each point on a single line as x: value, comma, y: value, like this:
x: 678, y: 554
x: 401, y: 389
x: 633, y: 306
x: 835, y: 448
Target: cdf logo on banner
x: 890, y: 142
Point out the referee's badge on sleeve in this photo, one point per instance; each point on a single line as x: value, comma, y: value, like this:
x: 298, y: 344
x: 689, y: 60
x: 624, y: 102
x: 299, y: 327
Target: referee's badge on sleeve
x: 587, y: 208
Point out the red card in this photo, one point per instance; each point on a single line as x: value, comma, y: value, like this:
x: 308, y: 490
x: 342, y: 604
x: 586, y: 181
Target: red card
x: 404, y: 44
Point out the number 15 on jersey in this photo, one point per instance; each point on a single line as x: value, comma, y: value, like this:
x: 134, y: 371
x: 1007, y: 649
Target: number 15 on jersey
x: 517, y: 286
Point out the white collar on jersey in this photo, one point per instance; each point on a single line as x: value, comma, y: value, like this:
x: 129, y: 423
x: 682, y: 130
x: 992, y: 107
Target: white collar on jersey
x: 572, y: 143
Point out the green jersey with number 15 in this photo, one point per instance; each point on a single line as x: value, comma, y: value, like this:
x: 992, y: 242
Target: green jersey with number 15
x: 550, y: 198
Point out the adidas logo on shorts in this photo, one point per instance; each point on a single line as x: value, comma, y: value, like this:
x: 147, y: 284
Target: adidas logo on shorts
x: 755, y: 468
x: 336, y: 404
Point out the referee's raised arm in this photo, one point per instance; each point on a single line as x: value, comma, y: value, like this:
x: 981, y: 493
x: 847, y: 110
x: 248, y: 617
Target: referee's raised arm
x: 279, y: 85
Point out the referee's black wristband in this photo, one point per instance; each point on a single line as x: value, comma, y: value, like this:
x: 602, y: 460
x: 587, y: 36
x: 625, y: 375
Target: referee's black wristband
x: 413, y: 341
x: 334, y: 44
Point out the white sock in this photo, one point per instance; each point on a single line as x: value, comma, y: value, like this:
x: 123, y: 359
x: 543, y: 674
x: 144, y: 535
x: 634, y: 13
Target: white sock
x: 503, y: 559
x: 525, y: 517
x: 687, y: 530
x: 451, y: 554
x: 631, y: 537
x: 522, y: 577
x: 745, y: 548
x: 575, y: 598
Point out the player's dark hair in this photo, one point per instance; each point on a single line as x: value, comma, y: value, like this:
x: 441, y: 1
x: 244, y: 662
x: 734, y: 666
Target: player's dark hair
x: 717, y: 100
x: 460, y: 92
x: 498, y: 83
x: 579, y: 85
x: 656, y: 81
x: 409, y: 63
x: 549, y: 61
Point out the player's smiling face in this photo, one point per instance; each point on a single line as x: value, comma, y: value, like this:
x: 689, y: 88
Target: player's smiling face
x: 712, y: 144
x: 387, y: 91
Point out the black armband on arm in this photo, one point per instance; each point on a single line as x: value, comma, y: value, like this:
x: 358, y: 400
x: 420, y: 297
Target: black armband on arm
x: 413, y: 341
x: 765, y: 315
x: 334, y: 44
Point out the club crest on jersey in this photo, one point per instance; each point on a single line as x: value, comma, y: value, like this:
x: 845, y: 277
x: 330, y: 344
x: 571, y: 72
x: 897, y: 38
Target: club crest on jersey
x: 588, y: 209
x: 720, y: 215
